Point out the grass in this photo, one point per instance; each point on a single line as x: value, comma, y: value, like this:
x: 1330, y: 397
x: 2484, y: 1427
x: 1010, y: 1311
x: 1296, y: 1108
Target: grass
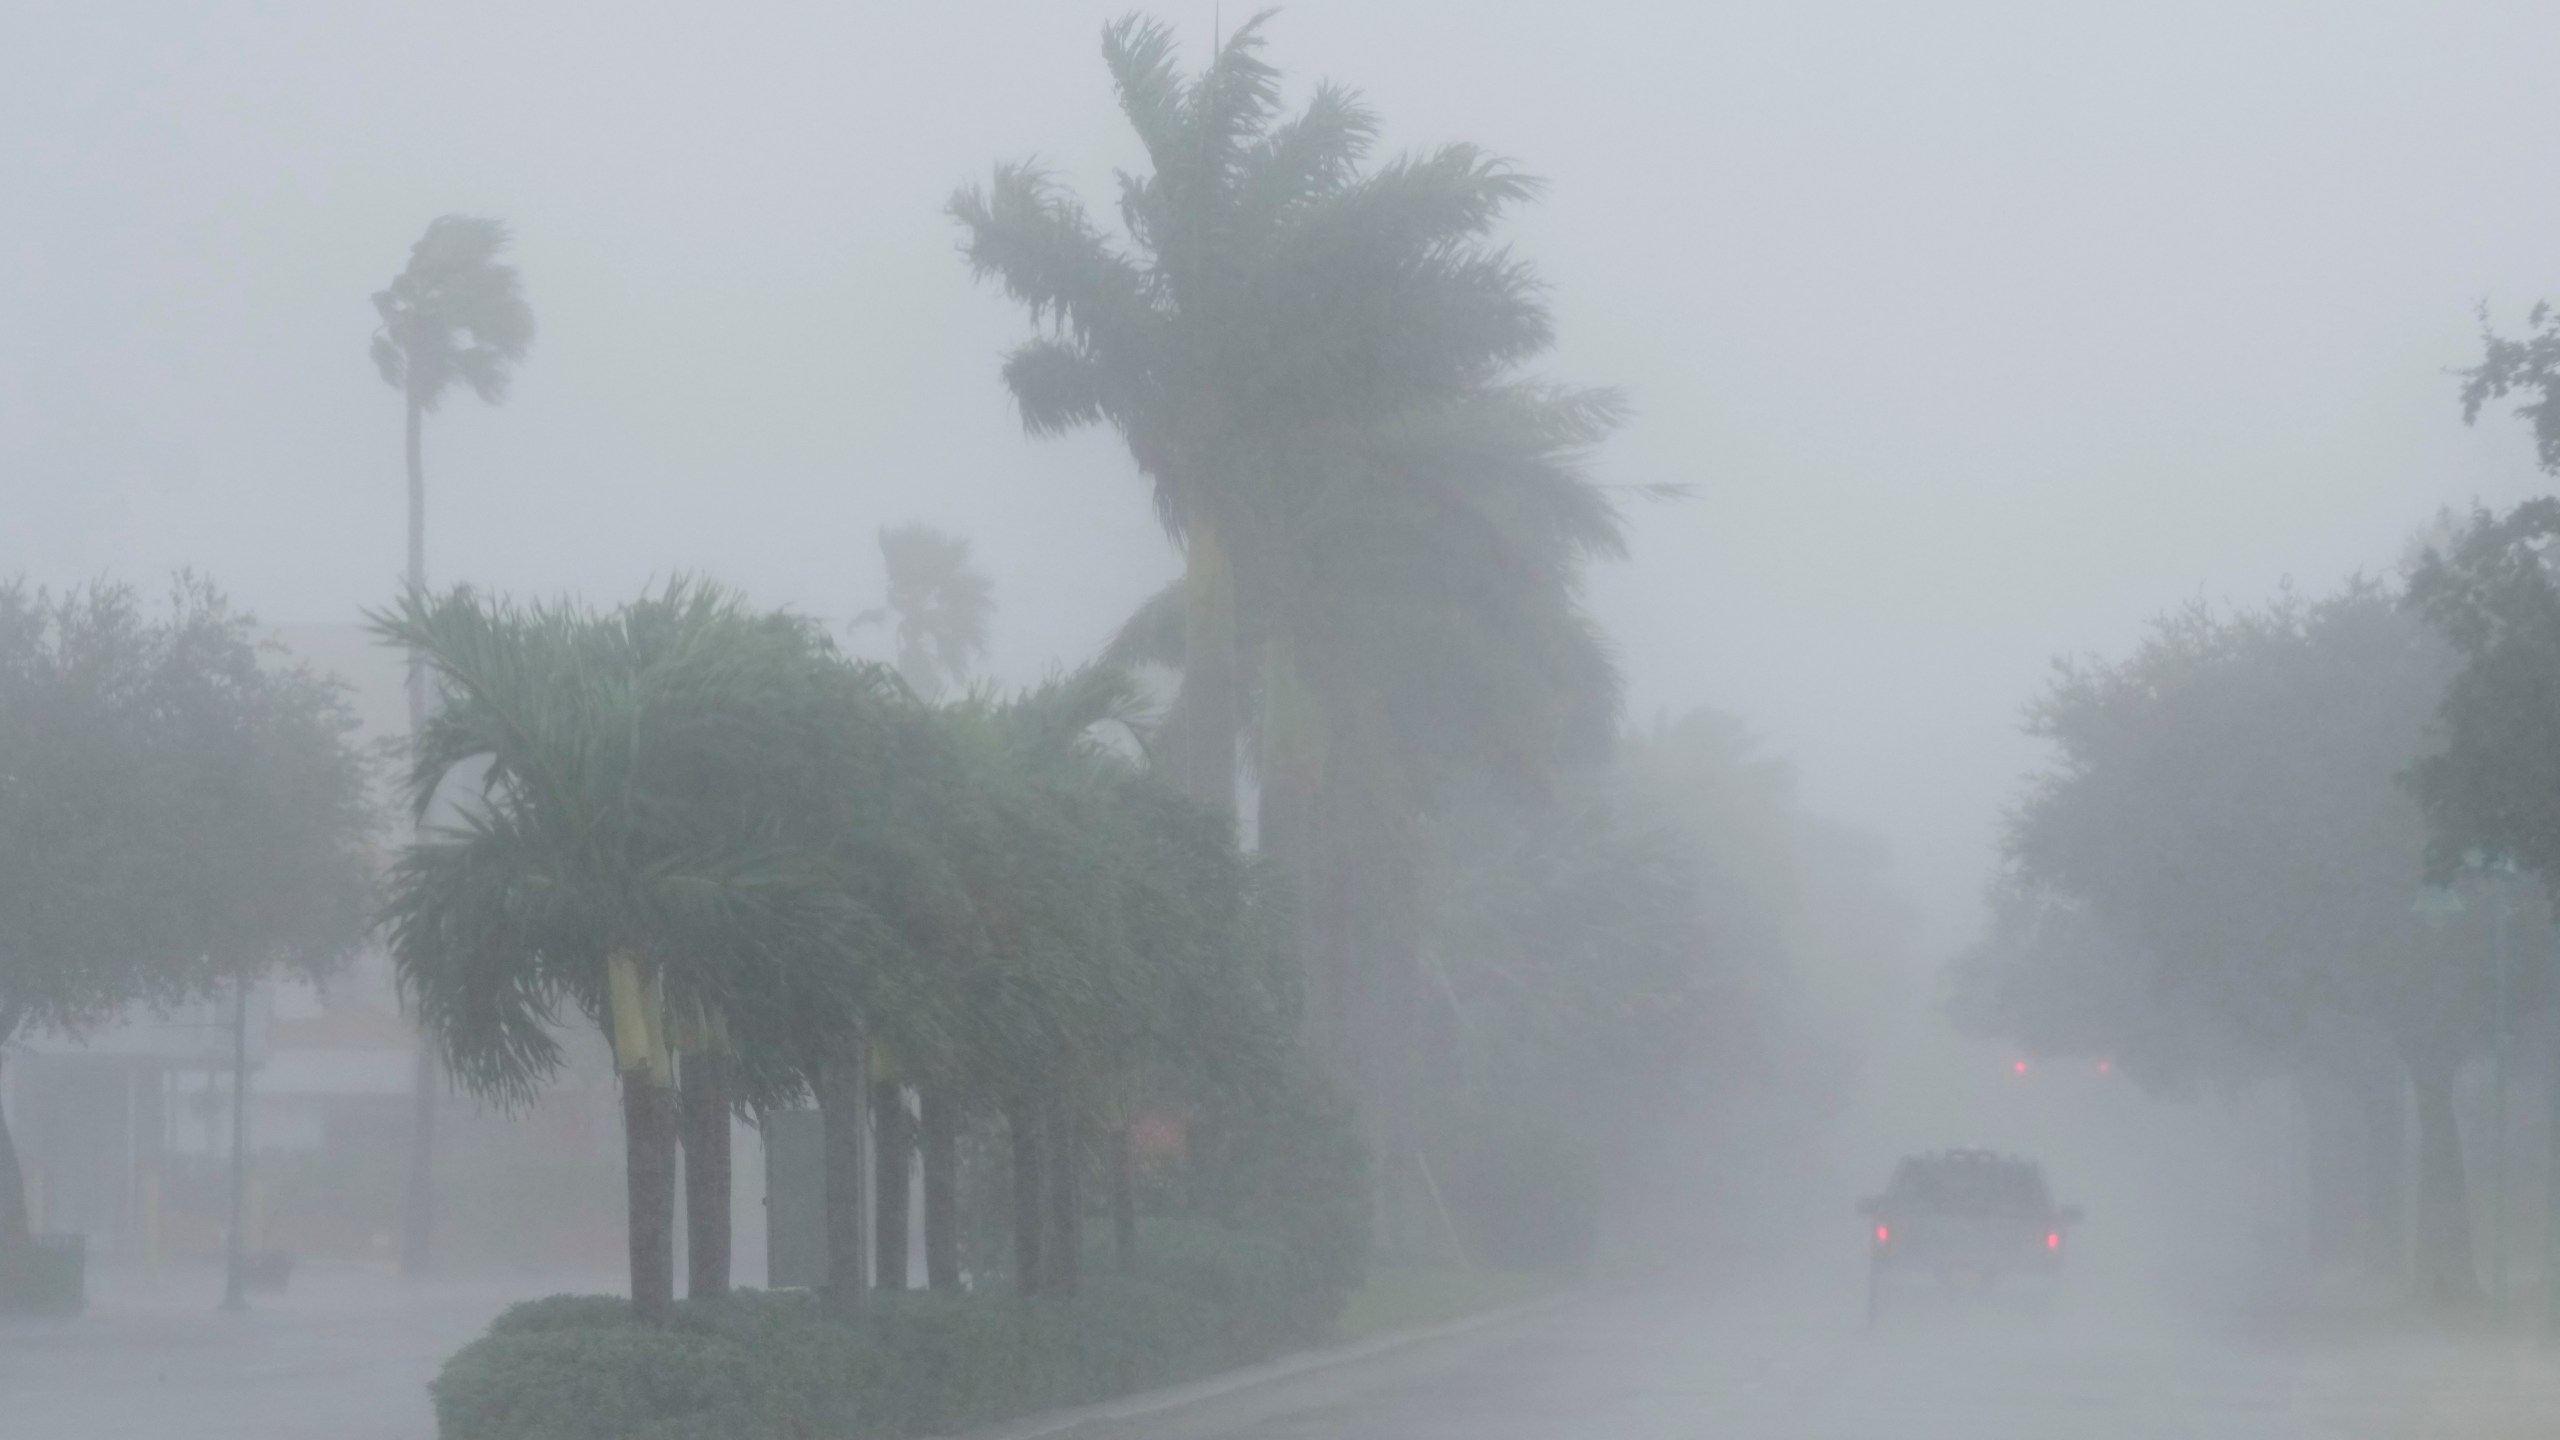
x: 1398, y: 1297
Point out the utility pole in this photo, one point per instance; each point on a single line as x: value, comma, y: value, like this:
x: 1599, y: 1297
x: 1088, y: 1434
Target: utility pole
x: 235, y: 1281
x: 2551, y: 1166
x: 2498, y: 1047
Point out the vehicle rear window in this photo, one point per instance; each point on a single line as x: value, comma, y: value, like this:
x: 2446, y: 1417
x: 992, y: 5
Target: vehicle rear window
x: 1968, y: 1187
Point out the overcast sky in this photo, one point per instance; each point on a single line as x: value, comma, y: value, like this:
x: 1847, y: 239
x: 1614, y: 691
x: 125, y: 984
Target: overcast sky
x: 1981, y: 333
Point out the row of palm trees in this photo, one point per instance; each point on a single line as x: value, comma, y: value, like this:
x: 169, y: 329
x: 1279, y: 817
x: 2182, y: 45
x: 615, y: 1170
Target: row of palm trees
x: 1316, y: 361
x: 768, y: 871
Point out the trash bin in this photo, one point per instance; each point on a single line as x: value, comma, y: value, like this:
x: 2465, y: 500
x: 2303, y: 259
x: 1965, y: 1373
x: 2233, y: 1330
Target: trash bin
x: 56, y: 1279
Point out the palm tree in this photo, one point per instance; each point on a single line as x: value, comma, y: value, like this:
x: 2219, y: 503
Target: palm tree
x: 941, y: 606
x: 644, y: 819
x: 1385, y: 527
x: 455, y: 313
x: 940, y: 602
x: 1269, y: 293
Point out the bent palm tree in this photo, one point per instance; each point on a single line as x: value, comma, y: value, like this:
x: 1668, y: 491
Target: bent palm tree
x: 453, y: 314
x: 628, y: 847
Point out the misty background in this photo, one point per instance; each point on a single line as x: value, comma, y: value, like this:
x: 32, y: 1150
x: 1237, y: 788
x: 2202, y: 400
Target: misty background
x: 1981, y: 333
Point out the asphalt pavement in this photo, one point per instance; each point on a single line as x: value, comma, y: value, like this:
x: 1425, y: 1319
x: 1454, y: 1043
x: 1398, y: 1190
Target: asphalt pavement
x: 343, y: 1355
x: 347, y: 1357
x: 1802, y: 1365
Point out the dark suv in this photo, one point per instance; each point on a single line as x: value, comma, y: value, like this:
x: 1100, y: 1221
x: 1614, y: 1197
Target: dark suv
x: 1965, y: 1216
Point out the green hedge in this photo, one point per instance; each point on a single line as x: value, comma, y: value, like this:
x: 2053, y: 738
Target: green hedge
x: 773, y: 1366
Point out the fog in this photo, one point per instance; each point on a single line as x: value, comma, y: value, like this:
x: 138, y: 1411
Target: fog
x: 1971, y: 336
x: 1982, y: 333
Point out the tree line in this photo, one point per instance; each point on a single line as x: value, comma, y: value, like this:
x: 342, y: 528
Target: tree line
x: 180, y: 812
x: 1473, y: 947
x: 2298, y: 841
x: 769, y: 872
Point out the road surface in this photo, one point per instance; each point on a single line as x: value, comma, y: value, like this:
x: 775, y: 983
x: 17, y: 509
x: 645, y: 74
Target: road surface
x: 347, y: 1358
x: 1662, y: 1368
x: 343, y: 1356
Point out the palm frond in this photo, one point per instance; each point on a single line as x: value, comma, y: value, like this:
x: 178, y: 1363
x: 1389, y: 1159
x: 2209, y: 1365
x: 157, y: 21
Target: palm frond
x: 1058, y: 386
x: 454, y: 313
x: 1139, y: 52
x: 1305, y: 161
x: 1153, y: 633
x: 1025, y: 231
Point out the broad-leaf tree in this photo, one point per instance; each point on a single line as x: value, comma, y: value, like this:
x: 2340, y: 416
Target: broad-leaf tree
x: 2531, y: 366
x: 2225, y: 812
x: 177, y: 812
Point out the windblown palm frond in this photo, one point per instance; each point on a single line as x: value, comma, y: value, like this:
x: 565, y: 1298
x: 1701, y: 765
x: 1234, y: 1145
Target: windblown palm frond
x: 456, y: 313
x: 666, y: 782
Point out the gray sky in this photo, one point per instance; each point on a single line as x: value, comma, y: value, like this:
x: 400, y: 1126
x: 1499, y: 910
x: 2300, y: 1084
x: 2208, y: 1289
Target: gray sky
x: 1982, y: 332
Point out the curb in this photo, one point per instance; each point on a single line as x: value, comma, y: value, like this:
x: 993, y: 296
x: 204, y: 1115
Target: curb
x: 1106, y: 1417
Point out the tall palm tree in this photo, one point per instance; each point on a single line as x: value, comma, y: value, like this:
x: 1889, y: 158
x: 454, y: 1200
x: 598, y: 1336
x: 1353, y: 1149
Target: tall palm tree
x: 645, y: 804
x: 941, y: 606
x: 455, y: 313
x: 1269, y: 291
x: 1315, y: 363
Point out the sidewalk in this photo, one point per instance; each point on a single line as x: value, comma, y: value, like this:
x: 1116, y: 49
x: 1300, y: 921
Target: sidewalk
x: 344, y: 1354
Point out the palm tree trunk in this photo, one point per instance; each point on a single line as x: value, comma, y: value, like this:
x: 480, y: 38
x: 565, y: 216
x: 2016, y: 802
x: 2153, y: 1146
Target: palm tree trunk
x: 17, y: 1242
x: 893, y: 1140
x: 1065, y: 1244
x: 417, y: 1220
x: 1023, y: 1125
x: 706, y: 1174
x: 1208, y: 705
x: 840, y: 1091
x: 2448, y: 1273
x: 1124, y: 1200
x: 649, y: 1155
x: 940, y: 1146
x: 2385, y: 1175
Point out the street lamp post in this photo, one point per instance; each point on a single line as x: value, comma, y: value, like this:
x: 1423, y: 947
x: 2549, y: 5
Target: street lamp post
x: 2498, y: 1047
x: 2551, y: 1167
x: 235, y: 1280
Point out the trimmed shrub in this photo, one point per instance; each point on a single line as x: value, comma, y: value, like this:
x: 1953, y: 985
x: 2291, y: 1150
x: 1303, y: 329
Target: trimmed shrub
x: 774, y: 1366
x: 562, y: 1312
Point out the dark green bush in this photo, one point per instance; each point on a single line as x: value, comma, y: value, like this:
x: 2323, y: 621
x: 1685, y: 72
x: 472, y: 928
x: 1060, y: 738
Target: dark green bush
x: 772, y: 1366
x: 1287, y: 1162
x: 626, y: 1381
x: 563, y: 1312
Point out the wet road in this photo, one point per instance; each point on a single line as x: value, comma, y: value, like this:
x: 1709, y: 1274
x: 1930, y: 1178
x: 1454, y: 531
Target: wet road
x: 1667, y: 1369
x: 349, y: 1361
x: 337, y: 1357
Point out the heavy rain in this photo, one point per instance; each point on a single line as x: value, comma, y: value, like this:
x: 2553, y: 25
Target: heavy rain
x: 1375, y: 720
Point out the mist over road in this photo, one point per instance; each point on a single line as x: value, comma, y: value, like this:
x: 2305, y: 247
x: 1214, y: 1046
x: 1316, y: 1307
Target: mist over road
x: 1781, y: 1362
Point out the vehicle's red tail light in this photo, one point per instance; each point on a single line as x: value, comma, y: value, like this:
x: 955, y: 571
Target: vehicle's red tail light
x: 2053, y: 1240
x: 1884, y: 1235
